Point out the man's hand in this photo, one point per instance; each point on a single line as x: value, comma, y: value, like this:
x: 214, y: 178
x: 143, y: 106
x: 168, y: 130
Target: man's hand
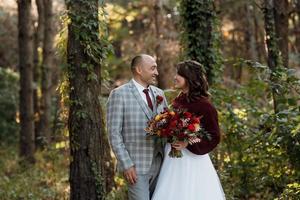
x: 130, y: 175
x: 179, y: 145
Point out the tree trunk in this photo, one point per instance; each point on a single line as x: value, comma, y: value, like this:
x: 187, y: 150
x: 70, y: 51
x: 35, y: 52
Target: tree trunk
x: 27, y: 145
x: 298, y: 27
x: 274, y: 61
x: 198, y: 19
x: 87, y: 141
x: 274, y: 58
x: 260, y: 38
x: 38, y: 38
x: 162, y: 78
x: 250, y: 33
x: 45, y: 119
x: 281, y: 15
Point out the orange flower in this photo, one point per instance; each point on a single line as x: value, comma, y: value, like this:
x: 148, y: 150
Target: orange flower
x: 172, y: 113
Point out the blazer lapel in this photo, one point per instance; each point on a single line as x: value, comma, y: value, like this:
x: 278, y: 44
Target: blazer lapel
x: 154, y: 93
x: 140, y: 101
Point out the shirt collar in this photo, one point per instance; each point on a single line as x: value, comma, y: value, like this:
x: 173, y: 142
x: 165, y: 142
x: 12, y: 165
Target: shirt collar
x: 139, y: 86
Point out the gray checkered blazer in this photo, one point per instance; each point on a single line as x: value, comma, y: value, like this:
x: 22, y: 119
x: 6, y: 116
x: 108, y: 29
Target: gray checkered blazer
x: 127, y: 116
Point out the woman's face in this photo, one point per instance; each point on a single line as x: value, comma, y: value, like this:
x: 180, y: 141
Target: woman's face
x: 180, y: 82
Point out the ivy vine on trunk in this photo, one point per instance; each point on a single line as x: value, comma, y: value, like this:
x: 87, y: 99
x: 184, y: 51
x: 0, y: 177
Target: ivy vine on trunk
x: 85, y: 53
x: 200, y: 35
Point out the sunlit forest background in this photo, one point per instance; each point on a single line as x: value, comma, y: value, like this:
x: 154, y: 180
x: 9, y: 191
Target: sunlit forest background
x: 60, y: 59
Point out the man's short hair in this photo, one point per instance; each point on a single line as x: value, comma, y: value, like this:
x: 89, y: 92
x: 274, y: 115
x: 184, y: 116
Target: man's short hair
x: 137, y: 60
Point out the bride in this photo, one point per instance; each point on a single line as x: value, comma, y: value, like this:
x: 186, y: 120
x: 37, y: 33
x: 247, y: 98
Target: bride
x: 193, y: 176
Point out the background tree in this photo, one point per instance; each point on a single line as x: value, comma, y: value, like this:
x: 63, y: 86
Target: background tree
x: 27, y: 146
x: 274, y: 57
x: 37, y: 45
x: 163, y: 68
x: 199, y: 35
x: 143, y: 27
x: 297, y: 27
x: 278, y: 79
x: 46, y: 78
x: 281, y: 15
x: 242, y: 95
x: 85, y: 51
x: 250, y: 30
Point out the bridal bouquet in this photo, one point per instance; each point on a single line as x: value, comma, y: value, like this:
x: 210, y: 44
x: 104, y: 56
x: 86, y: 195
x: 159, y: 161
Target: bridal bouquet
x: 175, y: 125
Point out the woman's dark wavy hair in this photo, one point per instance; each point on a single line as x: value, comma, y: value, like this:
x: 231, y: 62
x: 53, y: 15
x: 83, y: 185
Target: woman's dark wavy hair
x: 194, y: 74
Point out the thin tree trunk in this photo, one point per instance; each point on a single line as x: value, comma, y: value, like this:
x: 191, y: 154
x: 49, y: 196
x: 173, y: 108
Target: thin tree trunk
x: 38, y: 38
x: 88, y: 144
x: 281, y: 15
x: 162, y: 78
x: 298, y: 27
x: 233, y: 72
x: 260, y: 38
x: 45, y: 120
x: 56, y: 120
x: 275, y: 62
x: 27, y: 145
x: 274, y: 59
x: 250, y: 33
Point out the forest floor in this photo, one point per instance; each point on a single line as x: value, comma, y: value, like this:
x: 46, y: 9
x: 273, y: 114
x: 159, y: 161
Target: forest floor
x: 48, y: 179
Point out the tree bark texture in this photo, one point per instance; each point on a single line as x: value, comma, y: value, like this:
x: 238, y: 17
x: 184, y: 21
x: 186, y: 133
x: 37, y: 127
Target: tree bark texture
x: 198, y: 21
x: 163, y: 72
x: 88, y: 143
x: 47, y: 65
x: 281, y: 14
x: 274, y: 58
x: 27, y: 146
x: 297, y: 31
x: 38, y: 41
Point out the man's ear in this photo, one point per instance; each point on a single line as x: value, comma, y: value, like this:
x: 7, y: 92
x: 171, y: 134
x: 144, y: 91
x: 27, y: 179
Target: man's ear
x: 138, y: 69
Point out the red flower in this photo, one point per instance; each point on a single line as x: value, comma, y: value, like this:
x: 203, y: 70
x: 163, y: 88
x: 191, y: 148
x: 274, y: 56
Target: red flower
x: 180, y: 124
x: 176, y: 116
x: 196, y: 120
x: 159, y: 99
x: 173, y: 124
x: 191, y: 127
x: 187, y: 114
x: 181, y: 135
x: 166, y: 132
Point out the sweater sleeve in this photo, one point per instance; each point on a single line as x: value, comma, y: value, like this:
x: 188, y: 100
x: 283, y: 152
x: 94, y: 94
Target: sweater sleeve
x: 209, y: 122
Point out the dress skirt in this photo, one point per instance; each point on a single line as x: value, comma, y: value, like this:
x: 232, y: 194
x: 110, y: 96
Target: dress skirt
x: 191, y: 177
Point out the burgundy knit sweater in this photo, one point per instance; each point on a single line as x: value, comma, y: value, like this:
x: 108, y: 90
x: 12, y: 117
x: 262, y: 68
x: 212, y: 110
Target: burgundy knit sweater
x: 209, y: 121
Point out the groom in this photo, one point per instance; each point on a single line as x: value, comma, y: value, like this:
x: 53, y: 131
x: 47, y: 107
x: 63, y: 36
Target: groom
x: 129, y: 108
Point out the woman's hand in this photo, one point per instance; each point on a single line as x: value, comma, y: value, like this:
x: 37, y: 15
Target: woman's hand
x: 194, y: 140
x: 179, y: 145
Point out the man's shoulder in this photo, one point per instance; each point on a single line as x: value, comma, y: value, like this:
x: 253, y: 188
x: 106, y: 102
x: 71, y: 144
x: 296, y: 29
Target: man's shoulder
x: 122, y: 88
x: 154, y: 88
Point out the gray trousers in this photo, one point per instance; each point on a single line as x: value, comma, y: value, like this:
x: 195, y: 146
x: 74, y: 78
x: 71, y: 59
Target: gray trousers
x: 145, y: 185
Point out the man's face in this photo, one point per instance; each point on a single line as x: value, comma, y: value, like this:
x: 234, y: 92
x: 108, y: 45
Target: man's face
x: 148, y: 70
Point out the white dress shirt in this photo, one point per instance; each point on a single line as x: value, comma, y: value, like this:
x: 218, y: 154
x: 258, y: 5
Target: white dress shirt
x: 140, y: 89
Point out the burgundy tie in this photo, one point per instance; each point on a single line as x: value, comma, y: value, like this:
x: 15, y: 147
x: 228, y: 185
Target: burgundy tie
x: 146, y: 91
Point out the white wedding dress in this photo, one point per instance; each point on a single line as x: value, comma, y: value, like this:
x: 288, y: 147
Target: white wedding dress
x: 191, y: 177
